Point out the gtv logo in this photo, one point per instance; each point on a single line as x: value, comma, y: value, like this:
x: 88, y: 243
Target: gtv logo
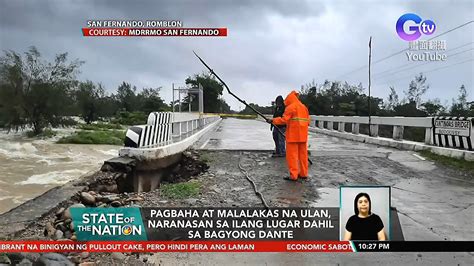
x: 426, y: 27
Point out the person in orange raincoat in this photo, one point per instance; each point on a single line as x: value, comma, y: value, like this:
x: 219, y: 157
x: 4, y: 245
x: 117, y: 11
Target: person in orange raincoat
x: 296, y: 118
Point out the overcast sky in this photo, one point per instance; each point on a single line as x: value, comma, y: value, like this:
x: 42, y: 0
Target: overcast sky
x: 272, y: 47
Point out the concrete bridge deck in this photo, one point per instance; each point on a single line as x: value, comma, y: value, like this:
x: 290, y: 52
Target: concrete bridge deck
x: 433, y: 202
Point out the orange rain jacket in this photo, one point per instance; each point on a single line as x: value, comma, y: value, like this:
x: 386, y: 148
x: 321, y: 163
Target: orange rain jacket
x: 296, y: 118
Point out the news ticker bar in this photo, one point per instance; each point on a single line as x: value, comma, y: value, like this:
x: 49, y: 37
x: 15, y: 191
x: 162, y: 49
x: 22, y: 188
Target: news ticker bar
x: 154, y: 32
x: 413, y: 246
x: 235, y: 246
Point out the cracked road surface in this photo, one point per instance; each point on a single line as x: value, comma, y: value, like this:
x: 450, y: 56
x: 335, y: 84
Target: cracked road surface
x: 433, y: 202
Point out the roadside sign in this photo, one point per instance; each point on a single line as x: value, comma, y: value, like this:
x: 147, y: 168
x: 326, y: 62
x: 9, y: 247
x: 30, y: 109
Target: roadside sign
x: 453, y: 127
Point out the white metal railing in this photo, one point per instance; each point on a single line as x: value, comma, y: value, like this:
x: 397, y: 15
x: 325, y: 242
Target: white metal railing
x: 163, y: 127
x: 184, y: 123
x: 450, y: 131
x: 397, y: 122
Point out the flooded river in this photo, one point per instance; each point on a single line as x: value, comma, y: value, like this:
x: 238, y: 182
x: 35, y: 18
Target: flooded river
x: 29, y: 167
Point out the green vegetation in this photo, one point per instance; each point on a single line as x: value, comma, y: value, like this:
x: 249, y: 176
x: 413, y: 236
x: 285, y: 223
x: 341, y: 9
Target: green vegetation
x: 100, y: 133
x: 449, y: 161
x: 112, y: 137
x: 88, y: 97
x: 100, y: 126
x: 205, y: 158
x: 47, y: 133
x: 39, y: 94
x: 180, y: 190
x: 130, y: 118
x: 341, y: 98
x: 33, y: 92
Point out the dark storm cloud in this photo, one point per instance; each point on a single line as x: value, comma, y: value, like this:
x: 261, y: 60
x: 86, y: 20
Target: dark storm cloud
x: 272, y: 47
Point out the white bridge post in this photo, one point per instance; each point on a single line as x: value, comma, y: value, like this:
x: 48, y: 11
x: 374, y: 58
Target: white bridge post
x: 341, y: 126
x: 355, y: 128
x: 397, y: 132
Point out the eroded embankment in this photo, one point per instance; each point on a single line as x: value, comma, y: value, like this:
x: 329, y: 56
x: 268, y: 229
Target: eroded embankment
x: 109, y: 187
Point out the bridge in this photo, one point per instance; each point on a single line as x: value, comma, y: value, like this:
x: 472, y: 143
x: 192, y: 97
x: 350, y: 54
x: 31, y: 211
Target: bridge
x: 421, y: 190
x: 166, y: 135
x: 431, y: 202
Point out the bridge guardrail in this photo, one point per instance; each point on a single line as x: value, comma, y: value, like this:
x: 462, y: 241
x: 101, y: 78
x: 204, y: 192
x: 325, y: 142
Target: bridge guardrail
x: 163, y: 127
x: 441, y: 131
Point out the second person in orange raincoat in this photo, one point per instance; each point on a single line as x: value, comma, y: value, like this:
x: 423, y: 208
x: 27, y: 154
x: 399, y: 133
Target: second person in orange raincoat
x: 296, y: 118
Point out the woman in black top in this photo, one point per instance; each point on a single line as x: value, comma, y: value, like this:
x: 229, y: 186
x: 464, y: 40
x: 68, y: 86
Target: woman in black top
x: 364, y: 225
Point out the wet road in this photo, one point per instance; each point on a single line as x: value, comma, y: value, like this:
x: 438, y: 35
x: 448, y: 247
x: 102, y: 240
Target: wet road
x: 433, y: 203
x: 239, y: 134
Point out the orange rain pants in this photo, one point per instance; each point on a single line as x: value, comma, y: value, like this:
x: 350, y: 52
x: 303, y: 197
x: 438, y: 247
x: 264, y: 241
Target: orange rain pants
x: 296, y: 118
x: 297, y: 159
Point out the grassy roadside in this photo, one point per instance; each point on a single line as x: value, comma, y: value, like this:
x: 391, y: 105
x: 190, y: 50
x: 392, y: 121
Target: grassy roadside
x: 459, y: 164
x: 100, y: 126
x: 99, y: 133
x: 180, y: 190
x: 112, y: 137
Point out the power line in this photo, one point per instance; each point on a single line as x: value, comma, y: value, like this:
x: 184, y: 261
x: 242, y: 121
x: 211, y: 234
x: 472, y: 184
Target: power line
x: 410, y: 64
x: 406, y: 49
x: 415, y: 66
x: 429, y: 71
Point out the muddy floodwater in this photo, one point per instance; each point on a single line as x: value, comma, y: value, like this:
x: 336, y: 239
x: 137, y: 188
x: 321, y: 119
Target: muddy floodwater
x: 29, y: 167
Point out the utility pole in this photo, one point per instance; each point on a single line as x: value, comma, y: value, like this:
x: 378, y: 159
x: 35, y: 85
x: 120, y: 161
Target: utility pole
x: 179, y: 99
x: 370, y: 55
x: 172, y: 89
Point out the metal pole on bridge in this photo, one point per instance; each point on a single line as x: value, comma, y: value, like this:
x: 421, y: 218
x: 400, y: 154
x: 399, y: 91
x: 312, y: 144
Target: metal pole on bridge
x: 370, y: 55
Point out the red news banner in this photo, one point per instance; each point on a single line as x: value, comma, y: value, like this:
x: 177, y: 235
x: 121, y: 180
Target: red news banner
x: 154, y: 32
x: 175, y: 246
